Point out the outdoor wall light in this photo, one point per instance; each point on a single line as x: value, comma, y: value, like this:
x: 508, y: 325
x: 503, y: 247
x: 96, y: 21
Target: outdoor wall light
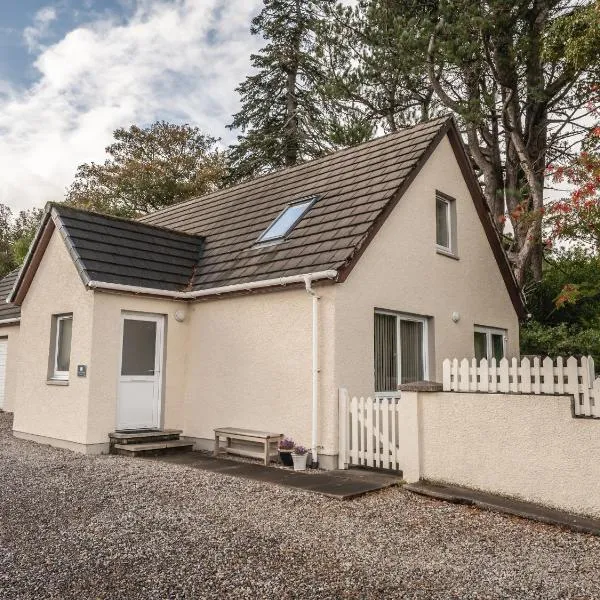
x: 180, y: 315
x: 455, y: 317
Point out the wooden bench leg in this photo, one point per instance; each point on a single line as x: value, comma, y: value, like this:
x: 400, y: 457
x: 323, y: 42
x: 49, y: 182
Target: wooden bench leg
x: 267, y: 452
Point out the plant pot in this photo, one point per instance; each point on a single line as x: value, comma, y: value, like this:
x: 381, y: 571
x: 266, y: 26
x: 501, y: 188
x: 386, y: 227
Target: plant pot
x: 285, y: 456
x: 299, y: 461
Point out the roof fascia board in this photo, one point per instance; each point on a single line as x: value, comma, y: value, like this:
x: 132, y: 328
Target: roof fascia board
x: 486, y: 219
x: 60, y: 226
x: 395, y: 198
x: 32, y: 260
x: 450, y: 129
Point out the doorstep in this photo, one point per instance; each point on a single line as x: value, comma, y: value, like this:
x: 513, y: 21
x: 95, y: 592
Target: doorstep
x: 340, y: 484
x: 508, y: 506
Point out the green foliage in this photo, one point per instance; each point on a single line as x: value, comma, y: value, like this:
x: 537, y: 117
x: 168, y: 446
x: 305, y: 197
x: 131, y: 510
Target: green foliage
x: 568, y: 327
x: 148, y: 169
x: 16, y: 236
x: 560, y: 340
x: 288, y: 113
x: 381, y: 48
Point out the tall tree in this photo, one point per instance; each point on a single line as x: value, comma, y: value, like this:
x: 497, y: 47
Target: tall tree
x: 512, y: 71
x: 380, y: 61
x: 509, y: 74
x: 286, y: 115
x: 149, y: 168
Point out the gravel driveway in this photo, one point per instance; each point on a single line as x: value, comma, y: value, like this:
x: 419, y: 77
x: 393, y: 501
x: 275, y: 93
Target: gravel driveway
x: 114, y: 527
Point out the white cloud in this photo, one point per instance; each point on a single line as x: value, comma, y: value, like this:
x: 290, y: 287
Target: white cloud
x: 34, y: 34
x: 179, y: 60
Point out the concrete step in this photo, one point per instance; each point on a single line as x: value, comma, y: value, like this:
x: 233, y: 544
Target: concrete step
x: 152, y: 448
x: 149, y: 436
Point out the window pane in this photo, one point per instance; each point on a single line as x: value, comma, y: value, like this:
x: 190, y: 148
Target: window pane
x: 139, y: 347
x: 386, y: 353
x: 284, y: 223
x: 411, y: 351
x: 442, y: 224
x: 480, y: 345
x: 497, y: 346
x: 63, y: 350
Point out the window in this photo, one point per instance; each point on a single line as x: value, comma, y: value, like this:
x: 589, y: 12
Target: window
x: 287, y: 220
x: 445, y: 223
x: 400, y: 350
x: 60, y: 350
x: 489, y: 343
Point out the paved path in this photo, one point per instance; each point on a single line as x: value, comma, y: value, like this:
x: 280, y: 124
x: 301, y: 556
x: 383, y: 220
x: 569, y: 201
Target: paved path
x: 509, y: 506
x: 343, y: 485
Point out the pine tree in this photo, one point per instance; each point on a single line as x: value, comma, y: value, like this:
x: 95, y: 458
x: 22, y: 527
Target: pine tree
x: 287, y: 115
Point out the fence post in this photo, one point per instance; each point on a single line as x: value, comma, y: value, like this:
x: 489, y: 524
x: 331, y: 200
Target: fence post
x: 343, y: 429
x: 408, y: 436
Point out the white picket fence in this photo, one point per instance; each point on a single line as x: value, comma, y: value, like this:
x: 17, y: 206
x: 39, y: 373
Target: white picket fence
x: 368, y: 432
x: 528, y: 377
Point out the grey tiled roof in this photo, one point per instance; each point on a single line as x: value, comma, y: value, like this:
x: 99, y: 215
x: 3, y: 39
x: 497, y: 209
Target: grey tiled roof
x: 354, y: 187
x: 8, y: 311
x: 113, y: 250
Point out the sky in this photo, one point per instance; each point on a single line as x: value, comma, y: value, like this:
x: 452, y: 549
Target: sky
x: 72, y: 71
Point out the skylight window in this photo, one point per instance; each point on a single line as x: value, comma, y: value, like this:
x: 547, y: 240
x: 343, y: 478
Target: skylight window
x: 287, y: 220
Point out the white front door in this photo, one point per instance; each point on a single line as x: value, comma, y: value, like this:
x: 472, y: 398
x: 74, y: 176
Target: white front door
x: 3, y: 357
x: 140, y: 377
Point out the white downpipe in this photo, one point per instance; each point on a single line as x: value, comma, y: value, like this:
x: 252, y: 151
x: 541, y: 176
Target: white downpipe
x: 226, y: 289
x: 315, y: 368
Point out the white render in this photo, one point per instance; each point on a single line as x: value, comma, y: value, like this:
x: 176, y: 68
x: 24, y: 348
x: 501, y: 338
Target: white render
x: 245, y: 360
x: 522, y: 445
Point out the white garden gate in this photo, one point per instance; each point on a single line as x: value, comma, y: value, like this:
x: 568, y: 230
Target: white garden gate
x: 369, y: 431
x: 548, y: 376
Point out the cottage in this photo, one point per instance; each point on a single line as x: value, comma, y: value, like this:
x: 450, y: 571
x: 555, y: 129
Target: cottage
x: 250, y: 307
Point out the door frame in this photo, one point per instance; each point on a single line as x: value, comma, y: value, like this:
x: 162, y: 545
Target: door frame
x: 160, y: 321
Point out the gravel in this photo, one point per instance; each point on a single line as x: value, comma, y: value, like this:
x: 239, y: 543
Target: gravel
x: 114, y: 527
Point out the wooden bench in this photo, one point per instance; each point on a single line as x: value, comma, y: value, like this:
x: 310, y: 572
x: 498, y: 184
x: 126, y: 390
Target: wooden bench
x: 269, y: 442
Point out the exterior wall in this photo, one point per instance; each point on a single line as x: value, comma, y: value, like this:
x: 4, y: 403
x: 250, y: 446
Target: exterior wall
x: 11, y: 332
x: 54, y: 411
x: 250, y: 366
x: 526, y: 446
x: 401, y: 271
x: 103, y: 370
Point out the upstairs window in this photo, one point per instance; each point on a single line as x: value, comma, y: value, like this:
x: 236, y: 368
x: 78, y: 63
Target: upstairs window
x: 287, y: 220
x: 445, y: 224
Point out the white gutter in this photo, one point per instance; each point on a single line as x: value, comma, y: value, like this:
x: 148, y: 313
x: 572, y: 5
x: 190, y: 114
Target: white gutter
x: 217, y: 291
x: 315, y: 368
x: 10, y: 321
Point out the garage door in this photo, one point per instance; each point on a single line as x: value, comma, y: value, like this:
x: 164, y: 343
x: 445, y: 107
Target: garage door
x: 3, y: 355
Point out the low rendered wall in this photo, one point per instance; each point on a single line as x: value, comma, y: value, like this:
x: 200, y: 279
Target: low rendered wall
x: 526, y: 446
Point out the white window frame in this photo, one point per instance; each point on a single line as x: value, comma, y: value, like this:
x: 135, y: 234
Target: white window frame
x: 56, y: 374
x: 450, y: 202
x: 489, y: 331
x: 404, y: 317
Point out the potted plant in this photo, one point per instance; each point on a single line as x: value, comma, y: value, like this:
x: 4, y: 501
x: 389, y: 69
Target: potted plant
x: 286, y: 446
x: 299, y: 457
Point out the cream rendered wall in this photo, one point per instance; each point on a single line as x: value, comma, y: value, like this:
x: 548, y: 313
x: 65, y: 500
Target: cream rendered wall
x: 528, y: 446
x: 250, y: 365
x: 11, y: 332
x: 401, y: 271
x: 103, y: 371
x: 53, y: 411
